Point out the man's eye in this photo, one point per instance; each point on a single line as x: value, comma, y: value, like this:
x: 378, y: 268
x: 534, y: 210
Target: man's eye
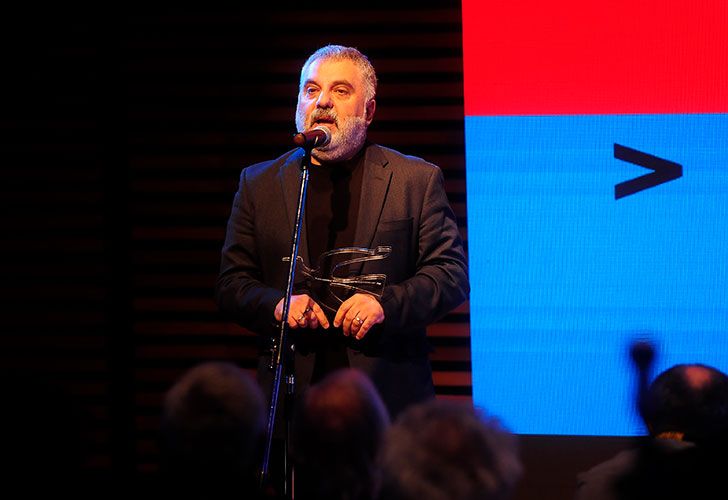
x: 310, y: 91
x: 342, y: 91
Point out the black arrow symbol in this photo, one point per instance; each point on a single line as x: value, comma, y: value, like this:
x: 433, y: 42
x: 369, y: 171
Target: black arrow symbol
x: 664, y: 171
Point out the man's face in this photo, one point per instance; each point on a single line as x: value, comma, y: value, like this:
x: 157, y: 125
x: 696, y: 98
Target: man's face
x: 334, y: 96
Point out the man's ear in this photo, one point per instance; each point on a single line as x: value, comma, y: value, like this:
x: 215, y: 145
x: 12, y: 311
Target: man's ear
x: 369, y: 111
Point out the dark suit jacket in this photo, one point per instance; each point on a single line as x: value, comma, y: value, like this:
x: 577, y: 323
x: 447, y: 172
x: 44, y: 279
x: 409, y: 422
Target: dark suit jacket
x: 603, y: 481
x: 403, y: 205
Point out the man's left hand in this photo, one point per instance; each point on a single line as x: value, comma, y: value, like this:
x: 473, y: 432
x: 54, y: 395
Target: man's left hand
x: 358, y: 314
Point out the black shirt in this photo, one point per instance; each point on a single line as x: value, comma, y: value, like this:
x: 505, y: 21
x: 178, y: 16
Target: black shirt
x: 332, y: 208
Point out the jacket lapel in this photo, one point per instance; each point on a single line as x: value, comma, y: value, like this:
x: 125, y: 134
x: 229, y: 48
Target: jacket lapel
x: 290, y: 177
x: 374, y: 187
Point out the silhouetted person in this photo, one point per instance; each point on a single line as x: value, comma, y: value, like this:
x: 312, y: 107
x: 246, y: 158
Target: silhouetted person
x: 689, y: 403
x: 338, y: 429
x: 685, y: 410
x: 442, y: 450
x: 212, y: 428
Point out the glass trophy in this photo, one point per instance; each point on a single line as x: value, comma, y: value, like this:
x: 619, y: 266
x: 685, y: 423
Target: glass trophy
x: 335, y: 278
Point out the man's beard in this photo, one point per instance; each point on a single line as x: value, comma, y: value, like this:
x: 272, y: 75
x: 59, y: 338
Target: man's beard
x: 346, y: 140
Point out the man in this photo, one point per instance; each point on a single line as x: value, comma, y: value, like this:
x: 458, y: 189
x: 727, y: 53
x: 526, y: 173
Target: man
x: 360, y: 195
x: 686, y: 412
x: 441, y: 449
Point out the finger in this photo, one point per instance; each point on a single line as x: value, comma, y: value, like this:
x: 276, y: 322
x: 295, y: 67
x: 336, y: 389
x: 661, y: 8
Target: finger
x: 367, y: 325
x: 362, y: 331
x: 319, y: 314
x: 358, y: 326
x: 311, y: 318
x: 297, y: 320
x: 342, y: 312
x: 278, y: 312
x: 303, y: 318
x: 350, y: 320
x: 369, y: 322
x: 354, y: 328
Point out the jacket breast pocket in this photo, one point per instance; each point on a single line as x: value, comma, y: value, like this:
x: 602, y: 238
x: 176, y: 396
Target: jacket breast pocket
x: 395, y: 225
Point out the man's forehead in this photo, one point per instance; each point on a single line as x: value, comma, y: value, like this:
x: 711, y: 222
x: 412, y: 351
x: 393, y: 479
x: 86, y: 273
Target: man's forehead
x: 333, y: 70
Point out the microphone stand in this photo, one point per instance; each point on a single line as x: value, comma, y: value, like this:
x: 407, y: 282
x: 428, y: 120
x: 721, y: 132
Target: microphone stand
x: 282, y: 355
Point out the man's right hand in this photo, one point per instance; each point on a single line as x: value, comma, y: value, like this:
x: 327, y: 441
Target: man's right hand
x: 303, y: 312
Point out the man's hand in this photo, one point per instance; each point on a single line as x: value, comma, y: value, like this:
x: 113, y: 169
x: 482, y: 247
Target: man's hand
x: 358, y: 314
x: 303, y: 312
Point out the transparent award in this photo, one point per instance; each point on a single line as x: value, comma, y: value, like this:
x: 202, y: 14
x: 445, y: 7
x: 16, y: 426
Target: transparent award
x: 333, y: 278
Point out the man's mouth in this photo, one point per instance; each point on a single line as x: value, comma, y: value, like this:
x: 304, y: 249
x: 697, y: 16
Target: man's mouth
x: 324, y: 121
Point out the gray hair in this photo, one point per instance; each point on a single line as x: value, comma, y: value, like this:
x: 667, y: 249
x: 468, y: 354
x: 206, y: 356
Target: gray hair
x: 339, y: 52
x: 440, y: 450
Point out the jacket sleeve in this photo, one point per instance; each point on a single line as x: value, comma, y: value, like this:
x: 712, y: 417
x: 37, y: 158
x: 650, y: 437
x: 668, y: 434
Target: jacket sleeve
x: 240, y: 292
x: 440, y: 282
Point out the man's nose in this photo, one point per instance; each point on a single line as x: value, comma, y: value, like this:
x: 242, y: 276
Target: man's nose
x: 324, y: 100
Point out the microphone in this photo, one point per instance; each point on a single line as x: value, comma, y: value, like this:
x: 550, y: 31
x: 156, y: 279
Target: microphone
x: 316, y: 137
x: 642, y: 353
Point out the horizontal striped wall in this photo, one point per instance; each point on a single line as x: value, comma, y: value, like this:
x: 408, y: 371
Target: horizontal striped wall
x: 124, y: 173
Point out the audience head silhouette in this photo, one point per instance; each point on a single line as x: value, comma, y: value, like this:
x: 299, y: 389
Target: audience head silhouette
x: 442, y: 450
x: 212, y: 428
x: 338, y: 428
x: 688, y: 402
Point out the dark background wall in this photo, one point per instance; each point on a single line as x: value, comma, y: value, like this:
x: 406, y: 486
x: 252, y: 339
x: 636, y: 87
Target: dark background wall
x: 123, y: 135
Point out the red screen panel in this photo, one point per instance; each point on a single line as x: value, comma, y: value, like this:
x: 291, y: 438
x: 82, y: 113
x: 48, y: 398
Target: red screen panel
x: 581, y: 57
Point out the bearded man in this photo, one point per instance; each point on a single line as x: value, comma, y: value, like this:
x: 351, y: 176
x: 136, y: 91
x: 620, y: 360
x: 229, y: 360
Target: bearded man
x: 370, y: 212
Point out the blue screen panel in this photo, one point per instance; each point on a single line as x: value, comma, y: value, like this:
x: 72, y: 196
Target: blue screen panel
x: 564, y: 276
